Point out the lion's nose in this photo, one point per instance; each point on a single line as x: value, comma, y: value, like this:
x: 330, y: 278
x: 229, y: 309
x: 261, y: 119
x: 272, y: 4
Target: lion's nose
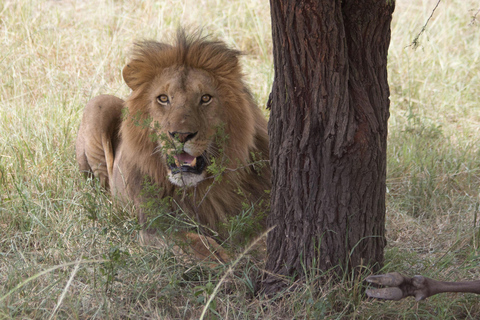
x: 182, y: 136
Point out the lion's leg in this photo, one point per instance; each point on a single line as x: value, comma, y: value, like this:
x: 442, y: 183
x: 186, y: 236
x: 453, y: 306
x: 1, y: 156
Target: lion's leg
x: 188, y: 245
x: 203, y: 247
x: 97, y: 137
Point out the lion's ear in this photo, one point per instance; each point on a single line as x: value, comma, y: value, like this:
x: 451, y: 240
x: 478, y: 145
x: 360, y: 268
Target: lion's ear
x: 146, y: 55
x: 130, y: 75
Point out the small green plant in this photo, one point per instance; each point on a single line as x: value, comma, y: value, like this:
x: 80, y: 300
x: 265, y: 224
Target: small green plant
x: 218, y: 162
x: 160, y: 211
x: 244, y: 227
x: 202, y: 292
x: 115, y: 259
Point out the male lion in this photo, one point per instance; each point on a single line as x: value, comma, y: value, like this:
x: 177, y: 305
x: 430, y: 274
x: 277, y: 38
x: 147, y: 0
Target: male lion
x: 190, y: 131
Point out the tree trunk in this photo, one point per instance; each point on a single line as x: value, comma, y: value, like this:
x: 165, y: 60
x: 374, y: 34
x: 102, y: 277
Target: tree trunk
x: 328, y: 133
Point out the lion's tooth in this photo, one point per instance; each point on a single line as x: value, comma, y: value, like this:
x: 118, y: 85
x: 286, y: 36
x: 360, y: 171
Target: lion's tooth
x: 194, y: 162
x: 177, y: 163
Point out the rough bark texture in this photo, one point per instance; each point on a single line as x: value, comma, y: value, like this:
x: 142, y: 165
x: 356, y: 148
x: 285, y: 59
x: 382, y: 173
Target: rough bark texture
x: 328, y: 134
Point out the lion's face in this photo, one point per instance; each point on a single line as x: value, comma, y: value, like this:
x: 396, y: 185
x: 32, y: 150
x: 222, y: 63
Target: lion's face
x: 196, y: 108
x: 185, y: 110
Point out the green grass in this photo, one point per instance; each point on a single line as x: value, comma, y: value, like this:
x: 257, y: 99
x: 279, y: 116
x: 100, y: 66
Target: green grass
x: 67, y: 252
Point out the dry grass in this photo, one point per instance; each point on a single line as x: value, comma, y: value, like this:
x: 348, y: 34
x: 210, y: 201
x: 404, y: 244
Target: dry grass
x: 67, y: 252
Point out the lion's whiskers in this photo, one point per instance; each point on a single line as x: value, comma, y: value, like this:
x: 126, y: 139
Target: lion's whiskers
x: 158, y: 149
x: 213, y: 151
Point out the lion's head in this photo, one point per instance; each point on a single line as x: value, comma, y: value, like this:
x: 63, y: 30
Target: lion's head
x: 189, y: 107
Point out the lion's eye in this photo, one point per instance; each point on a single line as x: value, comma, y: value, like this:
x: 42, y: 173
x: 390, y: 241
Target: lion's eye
x: 206, y: 98
x: 162, y: 99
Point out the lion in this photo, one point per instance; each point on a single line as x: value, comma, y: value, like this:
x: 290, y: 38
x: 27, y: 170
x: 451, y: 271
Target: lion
x: 191, y: 131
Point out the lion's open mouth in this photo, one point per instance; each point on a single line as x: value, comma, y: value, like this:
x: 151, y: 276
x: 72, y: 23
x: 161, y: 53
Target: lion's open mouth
x: 184, y: 162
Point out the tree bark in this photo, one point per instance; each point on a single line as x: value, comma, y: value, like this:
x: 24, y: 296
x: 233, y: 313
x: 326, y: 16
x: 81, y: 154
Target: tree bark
x: 328, y: 133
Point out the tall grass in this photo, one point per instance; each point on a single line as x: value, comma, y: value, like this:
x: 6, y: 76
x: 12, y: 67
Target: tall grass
x: 67, y: 252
